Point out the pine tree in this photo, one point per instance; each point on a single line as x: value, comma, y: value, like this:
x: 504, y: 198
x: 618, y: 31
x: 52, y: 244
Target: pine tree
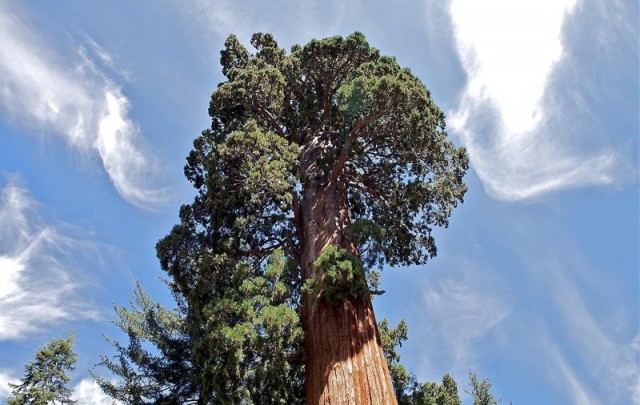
x: 407, y: 389
x: 480, y: 391
x: 156, y: 366
x: 45, y: 377
x: 430, y: 393
x: 320, y: 164
x: 392, y: 339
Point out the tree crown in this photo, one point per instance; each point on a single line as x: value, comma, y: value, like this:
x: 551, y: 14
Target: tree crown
x: 45, y: 377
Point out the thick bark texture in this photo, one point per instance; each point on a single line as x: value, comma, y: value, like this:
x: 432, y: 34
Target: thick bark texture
x: 344, y: 361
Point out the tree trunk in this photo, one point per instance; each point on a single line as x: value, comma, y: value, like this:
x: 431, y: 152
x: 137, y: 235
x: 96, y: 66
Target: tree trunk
x: 344, y: 361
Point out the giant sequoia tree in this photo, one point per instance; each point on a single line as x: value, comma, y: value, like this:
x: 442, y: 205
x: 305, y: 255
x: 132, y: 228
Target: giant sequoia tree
x: 321, y: 165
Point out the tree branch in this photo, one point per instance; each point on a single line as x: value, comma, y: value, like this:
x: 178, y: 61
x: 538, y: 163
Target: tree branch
x: 344, y: 153
x: 369, y: 190
x: 261, y: 252
x: 267, y: 115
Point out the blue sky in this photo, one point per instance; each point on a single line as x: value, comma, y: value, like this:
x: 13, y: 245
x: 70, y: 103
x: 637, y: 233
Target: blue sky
x: 536, y: 284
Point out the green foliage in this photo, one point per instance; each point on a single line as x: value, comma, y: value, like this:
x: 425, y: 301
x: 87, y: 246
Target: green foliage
x: 408, y: 390
x: 253, y: 340
x: 248, y: 348
x: 341, y: 276
x: 430, y: 393
x: 45, y: 377
x: 391, y: 339
x: 480, y: 391
x: 166, y: 374
x: 333, y: 112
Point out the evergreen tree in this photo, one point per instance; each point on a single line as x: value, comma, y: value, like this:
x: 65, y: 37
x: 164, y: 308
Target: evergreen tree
x: 45, y: 378
x: 430, y: 393
x: 407, y: 389
x: 391, y: 339
x: 320, y: 164
x: 258, y: 357
x: 410, y: 392
x: 163, y: 375
x: 480, y: 391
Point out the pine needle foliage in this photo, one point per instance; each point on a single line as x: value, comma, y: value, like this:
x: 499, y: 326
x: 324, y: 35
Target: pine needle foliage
x: 45, y: 377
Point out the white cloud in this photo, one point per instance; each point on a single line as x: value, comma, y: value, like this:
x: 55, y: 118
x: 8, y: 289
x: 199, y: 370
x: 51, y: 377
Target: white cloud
x: 88, y: 392
x: 70, y: 96
x: 522, y: 144
x: 120, y: 158
x: 38, y: 284
x: 5, y: 379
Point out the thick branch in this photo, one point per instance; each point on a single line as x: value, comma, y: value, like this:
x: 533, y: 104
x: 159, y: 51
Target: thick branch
x: 261, y: 252
x: 369, y: 190
x: 327, y: 99
x: 346, y: 148
x: 266, y: 114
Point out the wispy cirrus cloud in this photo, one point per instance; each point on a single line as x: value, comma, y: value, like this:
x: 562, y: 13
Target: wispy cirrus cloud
x: 527, y: 134
x: 462, y: 309
x: 612, y: 361
x: 579, y: 391
x: 71, y: 95
x: 38, y: 281
x: 576, y: 317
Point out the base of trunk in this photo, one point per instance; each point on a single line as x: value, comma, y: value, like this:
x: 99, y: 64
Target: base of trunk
x: 345, y: 363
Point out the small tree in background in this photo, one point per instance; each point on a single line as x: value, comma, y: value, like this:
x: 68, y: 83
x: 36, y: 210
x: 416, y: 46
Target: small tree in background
x: 480, y: 391
x: 431, y: 393
x: 45, y: 378
x: 163, y: 375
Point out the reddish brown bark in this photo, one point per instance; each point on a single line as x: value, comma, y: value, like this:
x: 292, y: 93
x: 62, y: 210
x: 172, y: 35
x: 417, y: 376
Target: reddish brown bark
x: 344, y: 361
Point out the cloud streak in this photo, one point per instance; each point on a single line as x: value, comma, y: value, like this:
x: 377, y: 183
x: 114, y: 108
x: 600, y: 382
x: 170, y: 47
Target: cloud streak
x: 579, y: 391
x: 613, y: 362
x: 576, y: 317
x: 70, y: 95
x: 38, y: 284
x: 462, y: 309
x: 519, y: 127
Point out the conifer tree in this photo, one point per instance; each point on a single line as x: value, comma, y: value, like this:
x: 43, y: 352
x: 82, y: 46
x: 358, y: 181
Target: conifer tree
x: 321, y: 164
x: 480, y: 391
x: 156, y: 365
x: 430, y: 393
x: 45, y: 378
